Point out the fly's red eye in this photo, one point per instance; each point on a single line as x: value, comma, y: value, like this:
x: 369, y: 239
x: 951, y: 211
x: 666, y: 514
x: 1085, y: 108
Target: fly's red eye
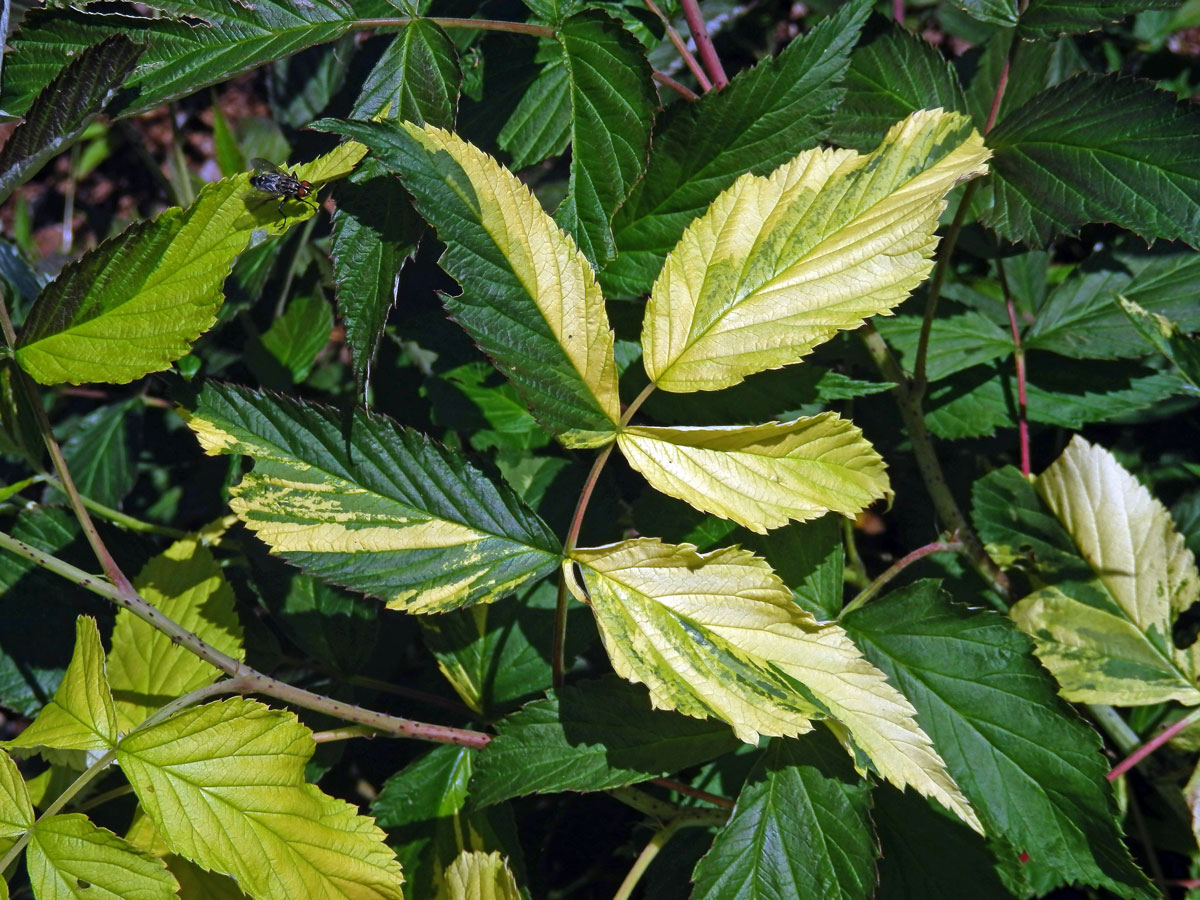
x: 304, y: 189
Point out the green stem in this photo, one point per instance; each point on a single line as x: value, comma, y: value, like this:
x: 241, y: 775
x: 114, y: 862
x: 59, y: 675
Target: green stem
x: 857, y: 573
x: 868, y: 593
x: 183, y: 175
x: 61, y: 801
x: 293, y: 266
x: 117, y: 517
x: 686, y: 819
x: 944, y: 504
x: 111, y: 569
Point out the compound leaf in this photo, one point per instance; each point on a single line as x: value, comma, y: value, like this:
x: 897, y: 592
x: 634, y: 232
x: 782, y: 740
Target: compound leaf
x: 764, y: 475
x: 146, y: 669
x: 224, y: 785
x: 384, y: 511
x: 719, y: 635
x: 781, y: 263
x: 81, y: 716
x: 69, y: 858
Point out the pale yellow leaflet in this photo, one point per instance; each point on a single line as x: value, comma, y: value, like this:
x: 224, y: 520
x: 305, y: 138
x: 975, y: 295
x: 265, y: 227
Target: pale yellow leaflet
x: 765, y: 475
x: 476, y: 875
x: 555, y: 274
x: 781, y: 263
x: 1108, y: 637
x: 719, y: 635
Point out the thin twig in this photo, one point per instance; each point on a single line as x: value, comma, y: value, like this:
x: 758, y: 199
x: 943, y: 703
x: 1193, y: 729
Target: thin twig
x: 704, y: 44
x: 667, y: 81
x: 542, y: 31
x: 868, y: 593
x: 244, y: 679
x: 1153, y: 744
x: 1019, y: 360
x: 688, y: 791
x: 944, y: 504
x: 681, y: 48
x: 686, y: 819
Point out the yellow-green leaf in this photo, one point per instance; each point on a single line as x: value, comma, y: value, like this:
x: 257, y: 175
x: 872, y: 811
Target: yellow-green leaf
x: 720, y: 635
x: 529, y: 297
x: 136, y: 303
x: 224, y: 785
x: 476, y: 875
x: 81, y: 716
x: 781, y: 263
x: 765, y: 475
x: 146, y: 669
x: 1107, y: 635
x: 16, y: 811
x: 69, y: 858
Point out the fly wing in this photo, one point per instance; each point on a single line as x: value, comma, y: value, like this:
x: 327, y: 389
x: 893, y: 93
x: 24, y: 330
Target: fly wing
x: 258, y: 164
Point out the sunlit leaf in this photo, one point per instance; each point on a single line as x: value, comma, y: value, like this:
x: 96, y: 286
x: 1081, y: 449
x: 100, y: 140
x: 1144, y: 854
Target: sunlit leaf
x: 377, y: 508
x: 719, y: 635
x: 81, y: 716
x: 529, y: 297
x: 69, y: 858
x: 224, y: 785
x: 137, y: 302
x: 479, y: 876
x: 146, y: 668
x: 781, y: 263
x: 765, y: 475
x: 1116, y: 575
x: 16, y: 810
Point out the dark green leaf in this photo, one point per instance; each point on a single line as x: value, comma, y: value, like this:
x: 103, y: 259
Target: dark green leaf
x: 64, y: 108
x: 808, y: 556
x: 1031, y: 768
x: 928, y: 854
x: 1062, y: 392
x: 956, y: 342
x: 39, y: 611
x: 504, y: 419
x: 496, y: 656
x: 589, y: 737
x: 302, y: 86
x: 1049, y: 18
x: 612, y: 108
x: 1186, y: 513
x: 417, y: 79
x: 1032, y: 67
x: 99, y: 454
x: 1181, y: 349
x: 801, y: 829
x: 183, y: 56
x: 316, y: 484
x: 891, y: 75
x: 1096, y: 149
x: 375, y: 230
x: 540, y: 125
x: 763, y: 118
x: 336, y: 627
x: 500, y: 312
x: 296, y: 337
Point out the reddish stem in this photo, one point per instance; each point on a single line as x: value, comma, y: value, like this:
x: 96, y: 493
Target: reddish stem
x: 898, y: 10
x: 1151, y: 745
x: 950, y: 546
x: 704, y: 44
x: 680, y: 788
x: 681, y: 48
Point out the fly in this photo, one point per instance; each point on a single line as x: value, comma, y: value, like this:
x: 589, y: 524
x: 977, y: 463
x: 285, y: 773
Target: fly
x: 270, y: 179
